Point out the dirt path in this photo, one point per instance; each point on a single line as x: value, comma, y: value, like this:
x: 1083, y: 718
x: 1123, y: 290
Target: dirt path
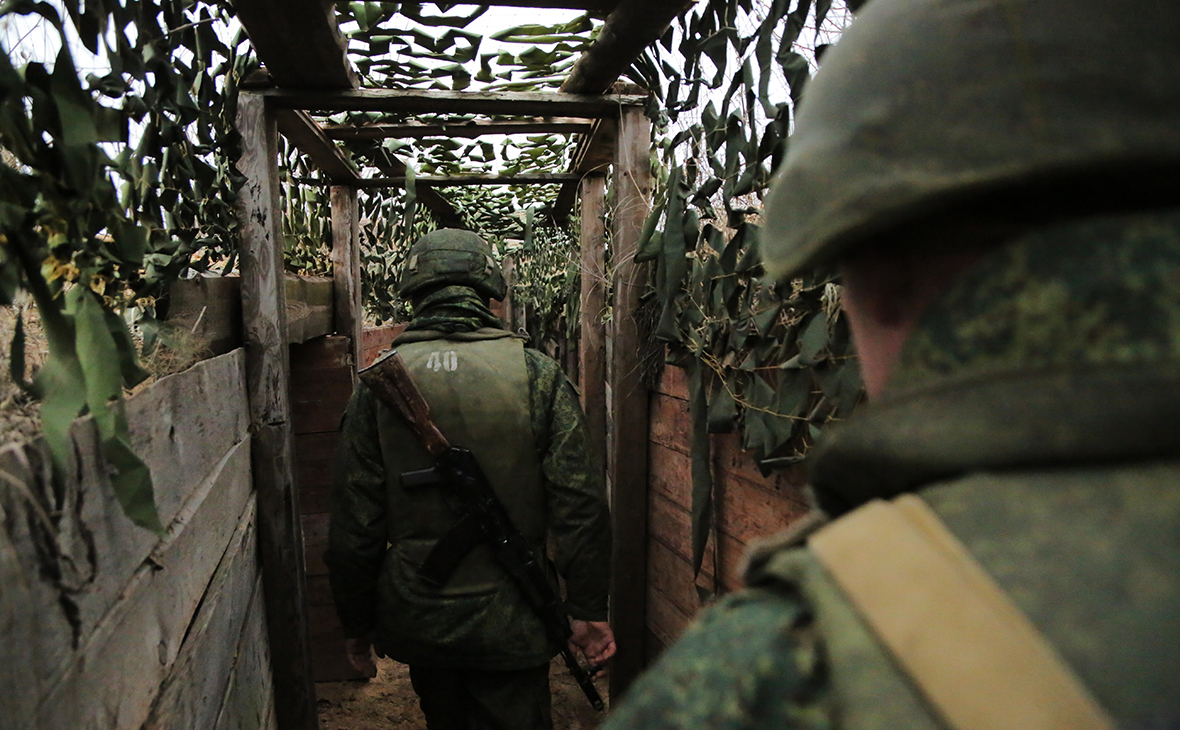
x: 389, y: 703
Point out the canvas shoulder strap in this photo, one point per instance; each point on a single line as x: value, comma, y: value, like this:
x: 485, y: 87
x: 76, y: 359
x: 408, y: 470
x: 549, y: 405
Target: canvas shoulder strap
x: 973, y: 654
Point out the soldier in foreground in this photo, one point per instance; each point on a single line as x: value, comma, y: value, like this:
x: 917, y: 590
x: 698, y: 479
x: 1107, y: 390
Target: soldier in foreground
x: 478, y: 654
x: 997, y: 180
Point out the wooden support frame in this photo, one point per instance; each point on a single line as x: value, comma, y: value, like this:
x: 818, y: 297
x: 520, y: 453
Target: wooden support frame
x: 280, y: 538
x: 628, y: 403
x: 630, y: 27
x: 346, y: 268
x: 592, y: 343
x: 468, y: 130
x: 305, y: 133
x: 595, y: 153
x: 318, y: 59
x: 450, y: 181
x: 417, y: 101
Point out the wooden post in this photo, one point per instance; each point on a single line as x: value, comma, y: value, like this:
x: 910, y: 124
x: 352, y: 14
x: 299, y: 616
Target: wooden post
x: 280, y: 540
x: 592, y: 344
x: 508, y: 267
x: 346, y: 268
x: 629, y: 403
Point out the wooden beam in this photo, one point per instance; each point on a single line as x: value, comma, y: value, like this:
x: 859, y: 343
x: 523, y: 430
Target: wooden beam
x: 346, y: 267
x: 417, y: 101
x: 592, y: 343
x: 305, y: 133
x: 298, y: 42
x: 631, y: 27
x: 594, y: 154
x: 629, y: 403
x: 444, y: 212
x: 469, y: 130
x: 450, y: 181
x: 280, y: 540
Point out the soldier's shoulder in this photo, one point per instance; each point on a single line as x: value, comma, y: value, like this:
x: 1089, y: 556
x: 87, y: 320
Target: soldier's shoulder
x: 749, y: 661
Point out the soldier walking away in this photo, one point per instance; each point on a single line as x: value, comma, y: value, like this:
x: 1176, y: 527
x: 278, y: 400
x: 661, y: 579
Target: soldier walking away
x: 997, y: 181
x: 478, y: 654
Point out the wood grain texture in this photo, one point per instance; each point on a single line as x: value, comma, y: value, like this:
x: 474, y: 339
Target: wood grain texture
x: 667, y: 620
x: 248, y: 703
x: 116, y: 671
x: 629, y: 29
x: 417, y: 101
x: 309, y: 307
x: 592, y: 343
x: 261, y: 250
x: 191, y: 696
x: 377, y: 339
x: 671, y: 423
x: 629, y: 403
x: 209, y: 307
x: 673, y: 382
x: 281, y: 550
x: 60, y: 583
x: 346, y: 267
x: 451, y: 181
x: 280, y: 543
x: 305, y: 133
x: 469, y: 130
x: 669, y: 520
x: 594, y: 154
x: 298, y: 41
x: 319, y: 409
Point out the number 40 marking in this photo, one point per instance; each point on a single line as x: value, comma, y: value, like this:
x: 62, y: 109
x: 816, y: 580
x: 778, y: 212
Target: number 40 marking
x: 446, y: 360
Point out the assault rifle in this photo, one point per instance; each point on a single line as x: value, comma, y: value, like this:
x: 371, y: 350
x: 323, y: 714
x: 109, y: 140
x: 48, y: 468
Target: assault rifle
x: 483, y: 518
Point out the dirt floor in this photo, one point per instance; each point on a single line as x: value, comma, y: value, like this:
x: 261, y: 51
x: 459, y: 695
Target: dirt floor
x: 389, y: 703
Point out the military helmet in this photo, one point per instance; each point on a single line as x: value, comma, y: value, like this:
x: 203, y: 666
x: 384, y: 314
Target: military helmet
x: 926, y: 105
x: 452, y: 256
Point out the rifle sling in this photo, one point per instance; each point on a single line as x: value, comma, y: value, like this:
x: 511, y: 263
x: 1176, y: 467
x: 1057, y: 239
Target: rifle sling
x: 973, y: 654
x: 449, y: 551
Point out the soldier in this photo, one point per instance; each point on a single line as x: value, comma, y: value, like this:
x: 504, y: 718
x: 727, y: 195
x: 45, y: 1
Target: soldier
x: 478, y: 655
x: 997, y: 182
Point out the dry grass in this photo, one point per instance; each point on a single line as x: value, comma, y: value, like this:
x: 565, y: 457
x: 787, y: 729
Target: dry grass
x: 20, y: 414
x: 177, y: 351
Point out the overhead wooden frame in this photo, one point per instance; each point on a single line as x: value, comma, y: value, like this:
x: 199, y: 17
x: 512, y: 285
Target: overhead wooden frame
x: 450, y: 181
x: 303, y: 132
x: 300, y: 45
x: 418, y: 101
x: 469, y: 130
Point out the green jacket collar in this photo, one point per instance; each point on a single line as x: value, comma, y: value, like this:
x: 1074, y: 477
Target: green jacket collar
x: 1016, y: 420
x: 1059, y: 347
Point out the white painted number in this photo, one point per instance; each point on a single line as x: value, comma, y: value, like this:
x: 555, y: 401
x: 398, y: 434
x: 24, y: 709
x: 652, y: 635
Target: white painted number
x: 448, y: 361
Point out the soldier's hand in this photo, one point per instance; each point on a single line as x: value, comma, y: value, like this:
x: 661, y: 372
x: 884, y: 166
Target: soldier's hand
x: 360, y: 655
x: 594, y: 639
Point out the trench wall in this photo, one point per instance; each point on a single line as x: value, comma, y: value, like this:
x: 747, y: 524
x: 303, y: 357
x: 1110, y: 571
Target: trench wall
x: 108, y: 625
x: 747, y: 506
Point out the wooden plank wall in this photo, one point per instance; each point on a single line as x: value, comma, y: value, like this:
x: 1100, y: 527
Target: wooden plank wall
x: 107, y: 625
x: 211, y: 308
x: 322, y: 375
x: 375, y: 340
x: 747, y: 506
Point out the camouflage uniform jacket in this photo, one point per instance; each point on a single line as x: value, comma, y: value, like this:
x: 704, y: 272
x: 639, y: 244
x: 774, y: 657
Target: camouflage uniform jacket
x: 1035, y: 411
x: 492, y: 630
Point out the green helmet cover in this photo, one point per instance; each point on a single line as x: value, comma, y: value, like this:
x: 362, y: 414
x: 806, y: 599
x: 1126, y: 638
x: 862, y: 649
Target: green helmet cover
x: 926, y: 104
x: 452, y: 256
